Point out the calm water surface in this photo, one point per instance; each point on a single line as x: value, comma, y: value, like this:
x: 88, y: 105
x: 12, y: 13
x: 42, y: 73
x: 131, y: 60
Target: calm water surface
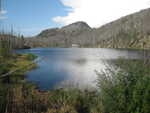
x: 73, y: 67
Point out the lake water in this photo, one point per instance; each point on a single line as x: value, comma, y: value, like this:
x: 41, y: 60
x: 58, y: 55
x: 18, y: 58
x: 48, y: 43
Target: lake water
x: 72, y: 67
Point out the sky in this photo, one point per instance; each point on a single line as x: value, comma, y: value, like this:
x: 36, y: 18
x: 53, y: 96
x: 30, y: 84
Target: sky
x: 30, y: 17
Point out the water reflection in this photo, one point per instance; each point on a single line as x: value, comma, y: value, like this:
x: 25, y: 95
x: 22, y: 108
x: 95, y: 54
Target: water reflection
x: 82, y: 76
x: 79, y: 62
x: 72, y: 67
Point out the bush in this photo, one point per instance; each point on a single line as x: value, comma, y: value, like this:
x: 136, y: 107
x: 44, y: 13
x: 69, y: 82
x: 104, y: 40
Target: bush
x: 127, y: 89
x: 72, y: 101
x: 31, y: 56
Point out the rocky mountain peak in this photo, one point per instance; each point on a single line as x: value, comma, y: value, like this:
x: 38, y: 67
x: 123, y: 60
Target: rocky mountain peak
x: 76, y: 26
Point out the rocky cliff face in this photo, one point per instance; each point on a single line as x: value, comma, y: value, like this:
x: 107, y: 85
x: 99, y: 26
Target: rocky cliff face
x: 132, y: 31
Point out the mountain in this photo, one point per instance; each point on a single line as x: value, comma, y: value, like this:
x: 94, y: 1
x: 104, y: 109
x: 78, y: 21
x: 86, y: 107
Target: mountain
x: 62, y: 37
x: 78, y: 26
x: 132, y: 31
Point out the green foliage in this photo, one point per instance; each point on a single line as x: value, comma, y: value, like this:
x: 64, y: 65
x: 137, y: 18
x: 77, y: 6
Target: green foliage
x: 126, y: 90
x: 78, y: 101
x: 30, y: 56
x: 4, y: 68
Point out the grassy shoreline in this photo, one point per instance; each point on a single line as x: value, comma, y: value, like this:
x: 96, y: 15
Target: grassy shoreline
x: 17, y: 61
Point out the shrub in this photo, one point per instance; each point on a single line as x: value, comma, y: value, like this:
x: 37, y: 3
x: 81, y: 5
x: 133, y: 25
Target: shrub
x: 126, y: 90
x: 30, y: 56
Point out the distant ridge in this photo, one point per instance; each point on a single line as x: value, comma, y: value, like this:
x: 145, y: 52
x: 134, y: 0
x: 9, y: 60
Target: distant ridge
x: 132, y: 31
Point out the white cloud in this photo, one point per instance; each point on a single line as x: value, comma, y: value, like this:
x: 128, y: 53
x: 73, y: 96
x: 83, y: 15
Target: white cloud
x: 99, y: 12
x: 2, y: 13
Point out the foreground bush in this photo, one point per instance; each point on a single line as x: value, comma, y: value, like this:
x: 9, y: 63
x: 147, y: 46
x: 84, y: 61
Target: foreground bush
x: 127, y: 89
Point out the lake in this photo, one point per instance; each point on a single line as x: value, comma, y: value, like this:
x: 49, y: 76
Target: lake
x: 72, y: 67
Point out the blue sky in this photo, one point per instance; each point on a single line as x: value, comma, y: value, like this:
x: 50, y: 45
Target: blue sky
x: 29, y: 17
